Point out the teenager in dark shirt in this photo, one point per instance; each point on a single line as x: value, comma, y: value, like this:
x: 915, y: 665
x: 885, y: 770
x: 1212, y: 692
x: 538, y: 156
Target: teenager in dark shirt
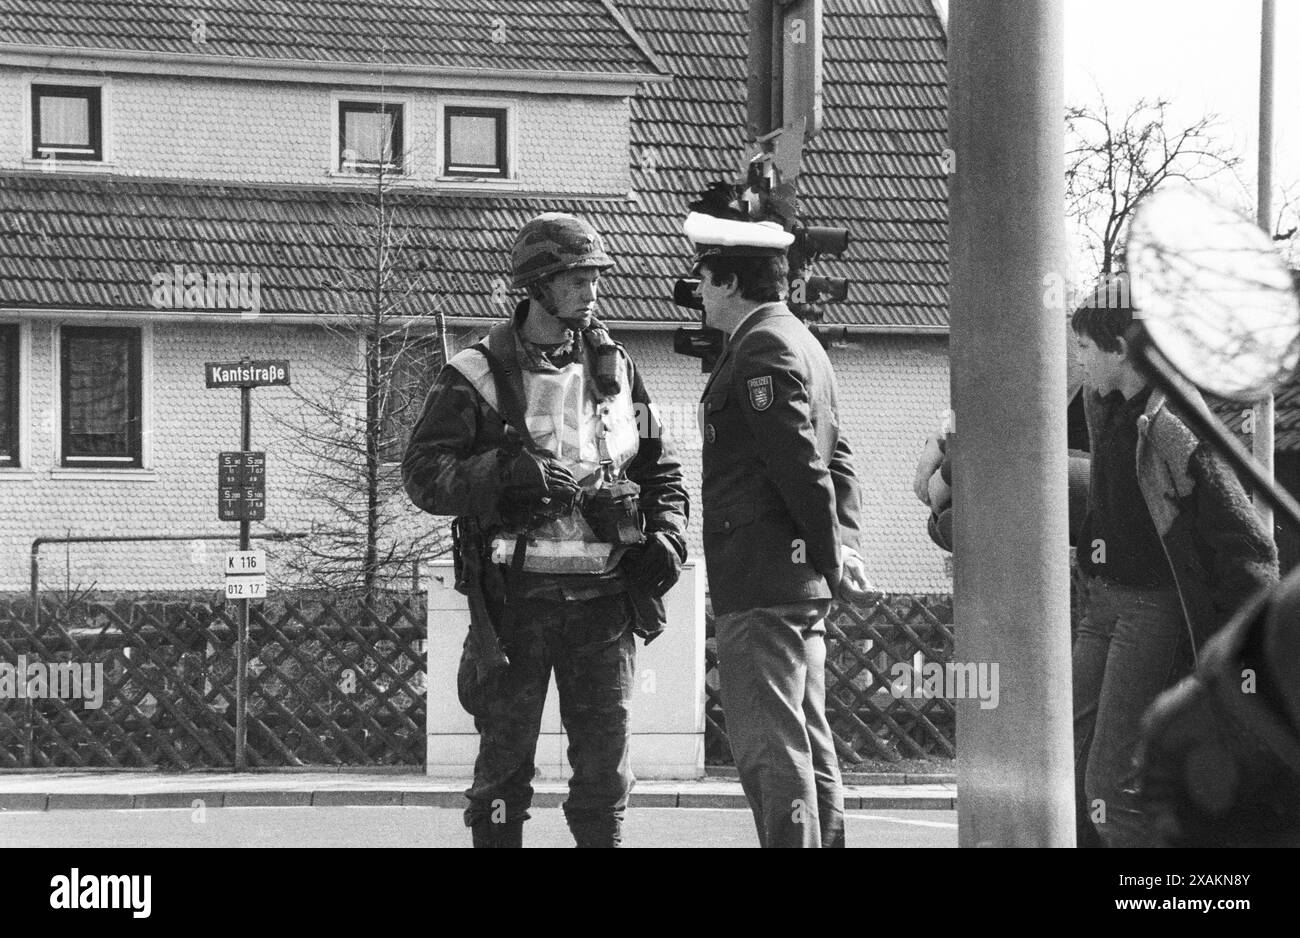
x: 1170, y: 547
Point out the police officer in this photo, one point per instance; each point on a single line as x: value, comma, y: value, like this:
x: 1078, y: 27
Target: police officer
x: 532, y: 435
x: 781, y: 504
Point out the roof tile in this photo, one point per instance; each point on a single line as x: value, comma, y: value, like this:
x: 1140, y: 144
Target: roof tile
x: 875, y: 169
x: 578, y: 35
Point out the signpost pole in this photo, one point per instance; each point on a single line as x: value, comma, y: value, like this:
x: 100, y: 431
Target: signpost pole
x: 241, y: 642
x: 241, y: 496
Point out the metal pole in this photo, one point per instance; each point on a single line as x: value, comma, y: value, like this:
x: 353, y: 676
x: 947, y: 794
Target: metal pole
x: 1015, y: 765
x: 241, y: 640
x: 1262, y: 439
x: 29, y: 740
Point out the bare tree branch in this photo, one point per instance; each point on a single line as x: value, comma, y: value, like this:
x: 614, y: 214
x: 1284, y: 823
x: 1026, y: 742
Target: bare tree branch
x: 1113, y: 163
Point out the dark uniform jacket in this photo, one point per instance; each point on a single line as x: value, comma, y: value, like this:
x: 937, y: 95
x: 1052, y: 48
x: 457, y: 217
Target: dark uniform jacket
x: 780, y: 493
x: 458, y: 457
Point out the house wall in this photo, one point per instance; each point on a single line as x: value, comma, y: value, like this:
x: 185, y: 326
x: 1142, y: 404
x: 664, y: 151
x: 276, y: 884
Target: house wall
x: 891, y: 391
x: 262, y: 132
x: 176, y: 494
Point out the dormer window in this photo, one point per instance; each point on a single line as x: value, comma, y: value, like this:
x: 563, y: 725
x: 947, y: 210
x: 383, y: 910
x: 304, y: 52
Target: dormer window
x: 66, y: 123
x: 475, y: 142
x: 371, y: 137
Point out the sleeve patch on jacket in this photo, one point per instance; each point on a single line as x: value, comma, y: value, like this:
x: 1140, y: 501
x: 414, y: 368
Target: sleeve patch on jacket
x: 760, y: 392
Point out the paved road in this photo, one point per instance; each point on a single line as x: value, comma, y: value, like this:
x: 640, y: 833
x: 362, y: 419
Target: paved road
x: 424, y: 827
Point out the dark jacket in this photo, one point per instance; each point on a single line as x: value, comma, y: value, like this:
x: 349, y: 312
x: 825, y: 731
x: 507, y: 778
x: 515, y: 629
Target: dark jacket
x: 457, y: 458
x: 1218, y: 549
x: 780, y: 493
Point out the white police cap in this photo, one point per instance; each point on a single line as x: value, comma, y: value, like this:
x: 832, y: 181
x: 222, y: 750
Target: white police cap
x: 716, y: 237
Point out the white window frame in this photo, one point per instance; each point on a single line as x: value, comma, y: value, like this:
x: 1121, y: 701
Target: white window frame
x: 23, y: 470
x: 145, y: 472
x: 406, y: 102
x: 509, y: 182
x: 107, y: 156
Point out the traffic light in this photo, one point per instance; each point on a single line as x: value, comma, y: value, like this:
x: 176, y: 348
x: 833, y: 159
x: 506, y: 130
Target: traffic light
x: 807, y: 291
x: 703, y: 343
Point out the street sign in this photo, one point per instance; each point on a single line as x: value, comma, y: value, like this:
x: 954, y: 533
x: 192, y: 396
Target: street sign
x: 245, y: 574
x: 241, y: 496
x: 245, y: 587
x: 247, y: 374
x: 241, y: 486
x: 246, y: 563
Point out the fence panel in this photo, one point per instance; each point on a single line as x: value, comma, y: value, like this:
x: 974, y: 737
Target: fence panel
x: 331, y: 683
x: 863, y: 646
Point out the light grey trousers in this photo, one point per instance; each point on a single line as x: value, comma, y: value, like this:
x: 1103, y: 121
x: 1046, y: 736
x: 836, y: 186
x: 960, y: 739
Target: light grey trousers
x: 771, y: 664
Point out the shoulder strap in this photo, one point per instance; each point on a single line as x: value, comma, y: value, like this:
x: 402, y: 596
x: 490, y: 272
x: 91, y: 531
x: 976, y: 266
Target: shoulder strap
x: 606, y: 363
x: 499, y: 351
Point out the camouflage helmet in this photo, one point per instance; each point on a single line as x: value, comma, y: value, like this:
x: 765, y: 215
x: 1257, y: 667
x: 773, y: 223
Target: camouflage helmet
x: 554, y: 242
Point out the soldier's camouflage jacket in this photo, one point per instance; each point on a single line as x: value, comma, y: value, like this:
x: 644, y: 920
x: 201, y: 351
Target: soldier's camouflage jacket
x: 459, y: 454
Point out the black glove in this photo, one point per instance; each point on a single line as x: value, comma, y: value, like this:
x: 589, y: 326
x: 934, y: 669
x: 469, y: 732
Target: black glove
x: 655, y: 567
x: 538, y: 477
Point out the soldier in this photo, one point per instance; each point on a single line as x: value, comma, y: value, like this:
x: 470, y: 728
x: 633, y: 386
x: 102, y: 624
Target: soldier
x: 532, y: 438
x: 780, y: 530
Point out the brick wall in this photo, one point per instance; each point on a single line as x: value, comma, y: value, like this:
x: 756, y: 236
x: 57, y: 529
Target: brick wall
x: 262, y: 132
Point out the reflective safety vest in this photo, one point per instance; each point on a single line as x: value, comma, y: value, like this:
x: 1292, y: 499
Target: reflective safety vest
x: 565, y: 416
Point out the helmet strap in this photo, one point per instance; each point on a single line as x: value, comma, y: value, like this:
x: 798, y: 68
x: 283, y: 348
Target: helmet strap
x: 540, y: 327
x: 542, y: 297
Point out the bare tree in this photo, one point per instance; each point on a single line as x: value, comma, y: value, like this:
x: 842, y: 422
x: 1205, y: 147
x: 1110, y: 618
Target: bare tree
x: 351, y: 434
x: 1286, y: 224
x: 1113, y: 160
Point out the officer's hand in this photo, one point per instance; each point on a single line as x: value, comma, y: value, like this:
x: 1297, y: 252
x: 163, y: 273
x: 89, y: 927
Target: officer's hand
x: 854, y: 586
x: 655, y: 567
x: 537, y: 477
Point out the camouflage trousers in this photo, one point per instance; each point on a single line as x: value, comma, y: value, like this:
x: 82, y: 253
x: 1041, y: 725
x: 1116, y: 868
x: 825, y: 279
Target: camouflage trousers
x: 590, y: 645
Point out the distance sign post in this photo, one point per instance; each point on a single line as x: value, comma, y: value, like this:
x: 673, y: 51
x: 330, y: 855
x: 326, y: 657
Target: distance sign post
x: 241, y: 496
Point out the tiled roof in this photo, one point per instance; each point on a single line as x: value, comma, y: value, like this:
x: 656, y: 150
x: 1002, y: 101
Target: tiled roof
x: 578, y: 35
x: 1286, y: 423
x: 874, y: 168
x: 95, y: 242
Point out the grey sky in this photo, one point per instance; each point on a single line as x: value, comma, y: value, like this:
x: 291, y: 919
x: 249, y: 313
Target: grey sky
x: 1203, y: 55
